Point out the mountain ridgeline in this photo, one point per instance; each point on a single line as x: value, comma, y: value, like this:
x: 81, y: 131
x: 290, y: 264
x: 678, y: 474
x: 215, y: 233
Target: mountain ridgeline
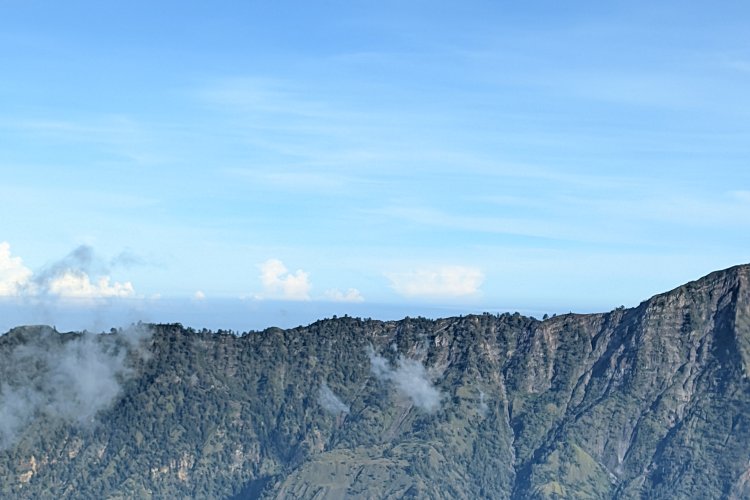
x: 648, y: 402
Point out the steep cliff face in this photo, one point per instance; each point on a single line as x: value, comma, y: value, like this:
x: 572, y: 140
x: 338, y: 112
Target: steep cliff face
x: 652, y: 402
x: 660, y: 397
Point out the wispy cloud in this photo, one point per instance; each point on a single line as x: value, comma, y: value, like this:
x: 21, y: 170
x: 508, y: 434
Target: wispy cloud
x: 70, y: 278
x: 410, y: 378
x: 122, y: 135
x: 70, y: 378
x: 331, y: 139
x: 330, y: 401
x: 298, y: 179
x: 736, y: 64
x: 684, y: 209
x: 662, y: 90
x: 635, y: 217
x: 260, y: 94
x: 281, y: 116
x: 428, y: 216
x: 743, y: 196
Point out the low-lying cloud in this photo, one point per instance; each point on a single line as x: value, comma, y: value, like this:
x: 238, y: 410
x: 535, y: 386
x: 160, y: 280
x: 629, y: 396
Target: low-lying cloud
x: 13, y: 273
x: 68, y: 278
x: 330, y: 401
x: 279, y: 283
x: 483, y: 406
x: 446, y: 281
x: 351, y: 295
x: 410, y: 378
x: 77, y: 285
x: 62, y: 376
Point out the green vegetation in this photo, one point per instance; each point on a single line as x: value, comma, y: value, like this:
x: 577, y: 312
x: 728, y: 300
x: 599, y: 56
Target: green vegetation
x: 646, y: 402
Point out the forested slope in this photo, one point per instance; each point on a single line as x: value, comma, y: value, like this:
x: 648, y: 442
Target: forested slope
x: 652, y: 401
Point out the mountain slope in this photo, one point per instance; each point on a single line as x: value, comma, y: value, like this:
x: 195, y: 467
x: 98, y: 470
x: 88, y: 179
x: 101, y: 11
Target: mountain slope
x: 652, y: 401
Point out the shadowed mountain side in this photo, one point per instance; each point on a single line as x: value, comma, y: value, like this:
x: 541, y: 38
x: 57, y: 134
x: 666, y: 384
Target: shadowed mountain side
x: 652, y: 401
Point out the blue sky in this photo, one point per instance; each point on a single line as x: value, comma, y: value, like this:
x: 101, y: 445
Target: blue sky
x: 377, y: 157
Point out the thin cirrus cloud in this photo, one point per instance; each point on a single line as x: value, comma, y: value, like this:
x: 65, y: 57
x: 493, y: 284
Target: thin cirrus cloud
x: 68, y: 278
x: 438, y: 282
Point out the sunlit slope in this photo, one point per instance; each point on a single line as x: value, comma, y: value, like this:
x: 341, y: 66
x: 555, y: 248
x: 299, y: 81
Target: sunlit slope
x: 652, y: 401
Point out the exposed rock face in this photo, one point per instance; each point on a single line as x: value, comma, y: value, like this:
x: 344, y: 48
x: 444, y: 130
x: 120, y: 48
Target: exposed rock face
x: 650, y: 402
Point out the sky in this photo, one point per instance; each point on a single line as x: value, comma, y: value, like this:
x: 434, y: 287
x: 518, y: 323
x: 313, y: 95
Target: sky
x: 297, y: 159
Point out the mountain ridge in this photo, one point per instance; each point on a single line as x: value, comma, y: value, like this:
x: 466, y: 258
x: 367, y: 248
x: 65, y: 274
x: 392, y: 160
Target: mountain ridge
x: 651, y: 401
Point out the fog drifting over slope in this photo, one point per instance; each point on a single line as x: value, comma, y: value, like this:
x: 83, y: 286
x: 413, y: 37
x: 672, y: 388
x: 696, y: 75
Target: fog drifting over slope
x: 68, y: 377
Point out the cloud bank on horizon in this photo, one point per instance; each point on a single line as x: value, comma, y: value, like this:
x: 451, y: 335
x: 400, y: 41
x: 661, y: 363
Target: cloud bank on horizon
x: 82, y: 275
x: 68, y: 278
x: 449, y: 281
x: 278, y: 282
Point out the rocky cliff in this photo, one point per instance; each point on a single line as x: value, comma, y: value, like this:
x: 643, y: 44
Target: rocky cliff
x: 650, y: 402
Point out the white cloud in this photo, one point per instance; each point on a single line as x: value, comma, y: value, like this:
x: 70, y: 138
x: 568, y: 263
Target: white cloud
x: 13, y: 274
x: 77, y: 284
x: 330, y: 401
x: 410, y: 378
x: 71, y: 381
x: 65, y: 279
x: 445, y: 281
x: 483, y: 406
x: 351, y: 295
x: 199, y: 295
x: 279, y: 283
